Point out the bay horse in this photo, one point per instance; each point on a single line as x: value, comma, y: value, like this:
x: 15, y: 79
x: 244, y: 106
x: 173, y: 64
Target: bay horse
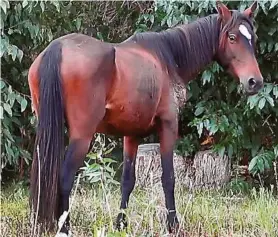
x: 125, y: 89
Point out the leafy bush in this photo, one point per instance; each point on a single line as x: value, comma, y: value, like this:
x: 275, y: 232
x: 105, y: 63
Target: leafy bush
x: 263, y: 160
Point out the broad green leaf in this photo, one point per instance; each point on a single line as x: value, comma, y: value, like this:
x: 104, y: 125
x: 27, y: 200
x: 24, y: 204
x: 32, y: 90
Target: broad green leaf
x: 78, y: 23
x: 94, y: 166
x: 252, y: 165
x: 95, y: 179
x: 2, y: 84
x: 213, y: 127
x: 42, y: 5
x: 169, y: 21
x: 108, y: 151
x: 270, y: 46
x: 276, y: 151
x: 24, y: 3
x: 262, y: 4
x: 1, y: 112
x: 10, y: 31
x: 8, y: 109
x: 14, y: 52
x: 221, y: 151
x: 275, y: 91
x: 57, y: 5
x: 11, y: 98
x: 270, y: 100
x: 273, y: 4
x: 4, y: 5
x: 253, y: 101
x: 23, y: 104
x: 262, y: 103
x: 230, y: 151
x: 260, y: 164
x: 2, y: 25
x: 8, y: 134
x: 272, y: 31
x: 199, y: 111
x: 109, y: 169
x: 108, y: 160
x: 9, y: 151
x: 20, y: 55
x: 206, y: 76
x: 276, y: 47
x: 152, y: 19
x: 200, y: 128
x: 99, y: 36
x: 268, y: 88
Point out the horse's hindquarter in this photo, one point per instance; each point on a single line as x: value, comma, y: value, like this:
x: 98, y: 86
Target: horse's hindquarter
x: 135, y: 94
x: 87, y: 71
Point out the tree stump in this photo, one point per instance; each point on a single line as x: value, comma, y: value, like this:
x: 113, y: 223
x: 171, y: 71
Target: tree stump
x: 207, y: 171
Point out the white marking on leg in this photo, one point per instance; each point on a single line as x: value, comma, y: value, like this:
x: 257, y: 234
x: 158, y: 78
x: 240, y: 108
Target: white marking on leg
x: 62, y: 219
x: 61, y: 235
x: 244, y: 31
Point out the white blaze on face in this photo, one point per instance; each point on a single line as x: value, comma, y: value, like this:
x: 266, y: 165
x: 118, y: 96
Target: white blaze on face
x: 244, y: 31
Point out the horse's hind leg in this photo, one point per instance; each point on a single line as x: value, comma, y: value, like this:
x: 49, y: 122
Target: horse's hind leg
x: 81, y: 134
x: 74, y: 158
x: 128, y: 177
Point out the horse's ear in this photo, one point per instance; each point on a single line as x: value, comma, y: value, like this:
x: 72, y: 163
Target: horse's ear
x: 249, y: 12
x: 223, y: 11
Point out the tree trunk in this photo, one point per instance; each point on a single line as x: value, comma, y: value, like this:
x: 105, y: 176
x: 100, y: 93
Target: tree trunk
x: 207, y: 171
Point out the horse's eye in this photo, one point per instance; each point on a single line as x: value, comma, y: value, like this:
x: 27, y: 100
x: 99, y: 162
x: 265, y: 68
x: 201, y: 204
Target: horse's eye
x: 232, y: 38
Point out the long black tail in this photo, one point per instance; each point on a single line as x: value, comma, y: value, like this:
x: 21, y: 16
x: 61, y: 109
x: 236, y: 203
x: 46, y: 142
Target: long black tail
x: 49, y: 144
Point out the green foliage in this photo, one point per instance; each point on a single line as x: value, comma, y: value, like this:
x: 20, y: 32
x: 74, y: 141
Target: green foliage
x: 263, y: 160
x: 238, y: 186
x: 186, y: 147
x: 99, y: 167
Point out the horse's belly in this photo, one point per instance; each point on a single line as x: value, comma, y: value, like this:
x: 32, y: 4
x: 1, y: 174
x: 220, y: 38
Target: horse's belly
x: 126, y: 123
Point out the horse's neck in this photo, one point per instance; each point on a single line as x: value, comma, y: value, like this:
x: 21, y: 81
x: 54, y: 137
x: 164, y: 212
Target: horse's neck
x: 201, y: 45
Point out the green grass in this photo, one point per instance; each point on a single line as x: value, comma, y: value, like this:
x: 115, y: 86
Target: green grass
x: 200, y: 213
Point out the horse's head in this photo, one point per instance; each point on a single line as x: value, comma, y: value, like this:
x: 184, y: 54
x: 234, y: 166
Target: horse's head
x: 236, y: 50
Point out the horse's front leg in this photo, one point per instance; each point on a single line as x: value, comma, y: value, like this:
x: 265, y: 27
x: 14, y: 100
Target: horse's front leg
x: 128, y: 178
x: 168, y: 135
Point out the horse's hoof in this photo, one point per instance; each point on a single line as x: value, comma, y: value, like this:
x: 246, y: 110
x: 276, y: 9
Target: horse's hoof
x: 173, y: 223
x: 121, y: 223
x: 63, y: 234
x: 60, y: 234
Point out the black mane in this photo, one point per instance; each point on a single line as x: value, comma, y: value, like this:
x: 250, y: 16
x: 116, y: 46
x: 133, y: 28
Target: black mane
x: 187, y: 48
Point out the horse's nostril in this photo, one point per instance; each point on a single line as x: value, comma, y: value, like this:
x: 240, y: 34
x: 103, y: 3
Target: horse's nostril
x: 252, y: 82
